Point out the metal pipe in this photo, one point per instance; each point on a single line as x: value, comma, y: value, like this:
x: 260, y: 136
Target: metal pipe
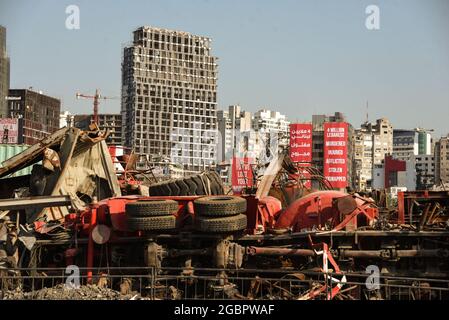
x: 279, y: 251
x: 189, y: 252
x: 395, y: 253
x: 90, y: 245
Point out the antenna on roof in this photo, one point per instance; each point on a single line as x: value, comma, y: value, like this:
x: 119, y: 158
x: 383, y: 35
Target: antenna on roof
x: 367, y: 118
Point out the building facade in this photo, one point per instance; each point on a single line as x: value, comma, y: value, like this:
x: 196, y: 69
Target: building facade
x: 372, y: 142
x: 394, y: 173
x: 169, y: 97
x: 39, y: 113
x: 272, y: 133
x: 4, y: 74
x: 441, y: 156
x: 416, y: 146
x: 409, y: 143
x: 235, y: 137
x: 425, y: 171
x: 111, y: 122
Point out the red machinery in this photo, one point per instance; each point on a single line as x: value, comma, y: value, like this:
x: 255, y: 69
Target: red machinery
x: 334, y: 208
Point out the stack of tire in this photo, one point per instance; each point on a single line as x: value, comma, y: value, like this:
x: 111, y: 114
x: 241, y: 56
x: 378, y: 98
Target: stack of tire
x: 220, y: 214
x: 151, y: 215
x: 198, y: 185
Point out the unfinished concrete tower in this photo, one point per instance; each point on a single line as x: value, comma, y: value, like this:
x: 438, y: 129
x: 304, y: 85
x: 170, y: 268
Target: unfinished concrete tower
x: 169, y: 97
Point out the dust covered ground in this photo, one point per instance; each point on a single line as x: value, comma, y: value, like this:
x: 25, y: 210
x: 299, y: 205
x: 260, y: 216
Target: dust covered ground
x: 62, y: 292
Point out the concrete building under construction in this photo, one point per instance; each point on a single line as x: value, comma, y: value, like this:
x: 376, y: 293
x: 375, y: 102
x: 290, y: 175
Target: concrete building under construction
x: 111, y: 122
x: 169, y: 97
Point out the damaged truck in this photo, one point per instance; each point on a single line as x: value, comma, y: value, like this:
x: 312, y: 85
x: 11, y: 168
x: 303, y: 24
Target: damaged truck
x: 185, y: 238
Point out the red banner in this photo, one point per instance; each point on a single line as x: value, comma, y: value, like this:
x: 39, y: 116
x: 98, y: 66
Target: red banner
x: 336, y: 153
x: 301, y: 147
x: 242, y: 175
x: 301, y: 142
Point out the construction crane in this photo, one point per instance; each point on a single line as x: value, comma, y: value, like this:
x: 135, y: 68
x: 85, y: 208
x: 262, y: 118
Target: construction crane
x: 96, y: 99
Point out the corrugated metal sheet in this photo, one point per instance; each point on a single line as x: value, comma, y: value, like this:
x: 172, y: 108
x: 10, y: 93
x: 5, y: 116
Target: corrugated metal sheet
x: 10, y: 150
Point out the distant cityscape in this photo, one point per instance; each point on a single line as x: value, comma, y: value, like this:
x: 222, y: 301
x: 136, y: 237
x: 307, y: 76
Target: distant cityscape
x: 169, y: 114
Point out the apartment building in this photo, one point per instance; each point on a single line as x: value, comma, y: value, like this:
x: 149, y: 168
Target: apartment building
x: 169, y: 97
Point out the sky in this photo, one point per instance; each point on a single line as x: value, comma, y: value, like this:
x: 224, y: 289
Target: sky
x: 296, y: 57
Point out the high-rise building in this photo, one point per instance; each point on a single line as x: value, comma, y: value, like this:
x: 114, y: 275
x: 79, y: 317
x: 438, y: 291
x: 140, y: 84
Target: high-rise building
x: 416, y: 146
x: 234, y: 127
x: 272, y: 133
x: 409, y: 143
x: 39, y: 113
x: 4, y: 74
x: 169, y: 97
x: 442, y: 160
x: 111, y: 122
x: 318, y: 122
x: 372, y: 142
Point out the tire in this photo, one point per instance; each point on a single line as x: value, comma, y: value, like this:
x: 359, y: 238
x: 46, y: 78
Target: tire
x: 221, y: 225
x: 199, y: 185
x: 154, y: 191
x: 151, y: 208
x: 192, y: 186
x: 223, y: 206
x: 215, y: 177
x: 183, y: 187
x: 174, y: 189
x: 167, y: 222
x: 214, y: 187
x: 163, y: 189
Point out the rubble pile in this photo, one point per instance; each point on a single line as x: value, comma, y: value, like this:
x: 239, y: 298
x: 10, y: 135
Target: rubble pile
x: 62, y: 292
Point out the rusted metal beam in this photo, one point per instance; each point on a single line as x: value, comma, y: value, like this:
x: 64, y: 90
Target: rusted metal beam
x: 31, y: 155
x: 34, y: 202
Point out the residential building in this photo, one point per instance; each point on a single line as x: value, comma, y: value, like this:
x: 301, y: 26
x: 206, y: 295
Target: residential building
x: 234, y: 127
x: 372, y: 142
x: 39, y: 113
x: 272, y: 130
x: 394, y: 173
x: 4, y: 74
x: 416, y: 145
x: 442, y: 160
x: 111, y: 122
x: 169, y: 97
x: 409, y: 143
x: 425, y: 171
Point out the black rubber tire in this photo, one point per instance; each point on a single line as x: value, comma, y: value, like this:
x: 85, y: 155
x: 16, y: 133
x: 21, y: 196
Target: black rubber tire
x: 174, y: 189
x: 214, y: 187
x: 151, y: 208
x: 163, y: 189
x: 183, y: 187
x: 199, y: 185
x: 221, y: 225
x: 154, y: 191
x: 223, y: 206
x: 167, y: 222
x: 215, y: 177
x: 192, y: 186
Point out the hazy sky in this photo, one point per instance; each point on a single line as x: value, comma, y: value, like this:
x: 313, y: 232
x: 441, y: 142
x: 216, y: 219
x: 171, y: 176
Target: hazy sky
x: 298, y: 57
